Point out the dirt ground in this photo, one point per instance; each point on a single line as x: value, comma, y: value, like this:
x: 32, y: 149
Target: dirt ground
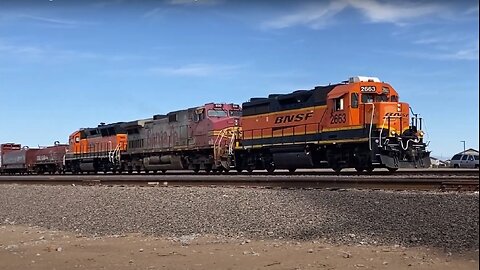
x: 35, y: 248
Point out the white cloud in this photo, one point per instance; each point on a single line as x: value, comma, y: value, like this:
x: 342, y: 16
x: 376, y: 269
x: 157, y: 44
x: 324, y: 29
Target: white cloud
x: 397, y: 13
x: 194, y: 70
x: 319, y: 14
x: 313, y: 15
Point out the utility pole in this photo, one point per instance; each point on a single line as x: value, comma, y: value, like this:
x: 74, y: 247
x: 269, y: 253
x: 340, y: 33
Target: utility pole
x: 463, y: 146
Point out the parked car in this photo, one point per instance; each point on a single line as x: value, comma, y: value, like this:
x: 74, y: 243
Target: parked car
x: 464, y: 161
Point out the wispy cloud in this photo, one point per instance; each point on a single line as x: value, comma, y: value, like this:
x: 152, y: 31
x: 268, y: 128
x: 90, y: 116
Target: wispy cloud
x: 472, y: 10
x: 442, y: 44
x: 49, y: 53
x: 195, y: 70
x: 469, y: 53
x: 315, y: 15
x: 49, y: 21
x: 194, y: 2
x: 153, y: 12
x: 318, y: 15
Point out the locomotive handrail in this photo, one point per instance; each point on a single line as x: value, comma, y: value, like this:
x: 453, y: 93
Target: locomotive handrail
x: 371, y: 126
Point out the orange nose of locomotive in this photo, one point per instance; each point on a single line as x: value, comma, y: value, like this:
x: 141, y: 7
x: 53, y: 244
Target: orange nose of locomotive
x: 393, y: 117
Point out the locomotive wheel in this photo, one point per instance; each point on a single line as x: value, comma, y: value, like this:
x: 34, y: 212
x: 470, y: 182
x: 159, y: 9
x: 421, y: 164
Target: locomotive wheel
x: 196, y: 168
x: 208, y: 168
x: 239, y: 170
x: 392, y: 169
x: 270, y: 168
x: 337, y: 169
x: 250, y: 169
x: 370, y: 169
x: 164, y: 171
x: 292, y: 170
x: 154, y: 171
x: 359, y: 169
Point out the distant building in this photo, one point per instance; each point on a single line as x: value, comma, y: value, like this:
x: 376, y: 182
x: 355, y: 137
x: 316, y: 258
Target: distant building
x: 469, y: 151
x: 437, y: 163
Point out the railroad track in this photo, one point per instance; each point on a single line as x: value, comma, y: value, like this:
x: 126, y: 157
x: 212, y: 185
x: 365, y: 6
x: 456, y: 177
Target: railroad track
x: 445, y: 182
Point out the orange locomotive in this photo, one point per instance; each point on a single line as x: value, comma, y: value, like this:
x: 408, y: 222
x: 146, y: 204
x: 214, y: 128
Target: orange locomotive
x: 359, y: 123
x: 94, y: 149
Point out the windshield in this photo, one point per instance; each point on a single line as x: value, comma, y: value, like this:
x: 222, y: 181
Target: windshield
x: 216, y: 113
x: 235, y: 113
x: 369, y: 98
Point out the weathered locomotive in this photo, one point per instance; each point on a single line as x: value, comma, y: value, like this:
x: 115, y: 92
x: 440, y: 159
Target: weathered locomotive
x: 359, y: 123
x: 199, y: 138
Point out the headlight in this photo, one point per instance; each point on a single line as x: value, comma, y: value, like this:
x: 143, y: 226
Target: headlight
x: 393, y: 133
x: 420, y: 133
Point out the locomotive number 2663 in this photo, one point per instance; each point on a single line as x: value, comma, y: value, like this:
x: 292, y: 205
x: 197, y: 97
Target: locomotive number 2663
x: 338, y: 118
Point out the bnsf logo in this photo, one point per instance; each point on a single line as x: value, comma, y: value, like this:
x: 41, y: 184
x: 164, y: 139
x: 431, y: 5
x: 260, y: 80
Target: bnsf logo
x: 293, y: 118
x: 396, y: 114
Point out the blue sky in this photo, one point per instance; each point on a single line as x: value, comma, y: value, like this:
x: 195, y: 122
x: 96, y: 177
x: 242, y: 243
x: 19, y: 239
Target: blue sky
x: 68, y: 64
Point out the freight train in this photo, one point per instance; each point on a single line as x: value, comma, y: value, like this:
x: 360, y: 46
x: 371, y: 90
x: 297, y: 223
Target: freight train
x: 359, y: 123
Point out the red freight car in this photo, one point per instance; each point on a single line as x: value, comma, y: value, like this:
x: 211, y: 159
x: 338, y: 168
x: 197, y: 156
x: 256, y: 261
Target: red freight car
x: 50, y: 159
x: 5, y: 148
x: 18, y: 161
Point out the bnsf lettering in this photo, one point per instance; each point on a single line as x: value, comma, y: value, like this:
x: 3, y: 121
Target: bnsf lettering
x: 396, y: 114
x: 293, y: 118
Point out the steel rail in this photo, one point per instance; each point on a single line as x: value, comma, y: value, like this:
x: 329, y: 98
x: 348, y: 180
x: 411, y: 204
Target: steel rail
x: 267, y: 181
x: 320, y: 172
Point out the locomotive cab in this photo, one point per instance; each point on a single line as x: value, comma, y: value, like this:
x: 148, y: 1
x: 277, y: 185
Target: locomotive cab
x: 223, y: 125
x: 393, y: 140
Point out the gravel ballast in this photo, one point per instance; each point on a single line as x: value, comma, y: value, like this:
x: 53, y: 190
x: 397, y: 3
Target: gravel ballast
x: 443, y: 220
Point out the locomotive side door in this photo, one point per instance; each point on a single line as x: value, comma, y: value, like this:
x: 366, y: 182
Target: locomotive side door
x: 354, y: 115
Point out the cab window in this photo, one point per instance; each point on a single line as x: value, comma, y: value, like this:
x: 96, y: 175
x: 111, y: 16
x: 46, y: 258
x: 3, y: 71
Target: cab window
x: 235, y: 113
x: 367, y: 98
x: 216, y: 113
x: 354, y: 100
x: 381, y: 98
x: 339, y: 104
x: 394, y: 98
